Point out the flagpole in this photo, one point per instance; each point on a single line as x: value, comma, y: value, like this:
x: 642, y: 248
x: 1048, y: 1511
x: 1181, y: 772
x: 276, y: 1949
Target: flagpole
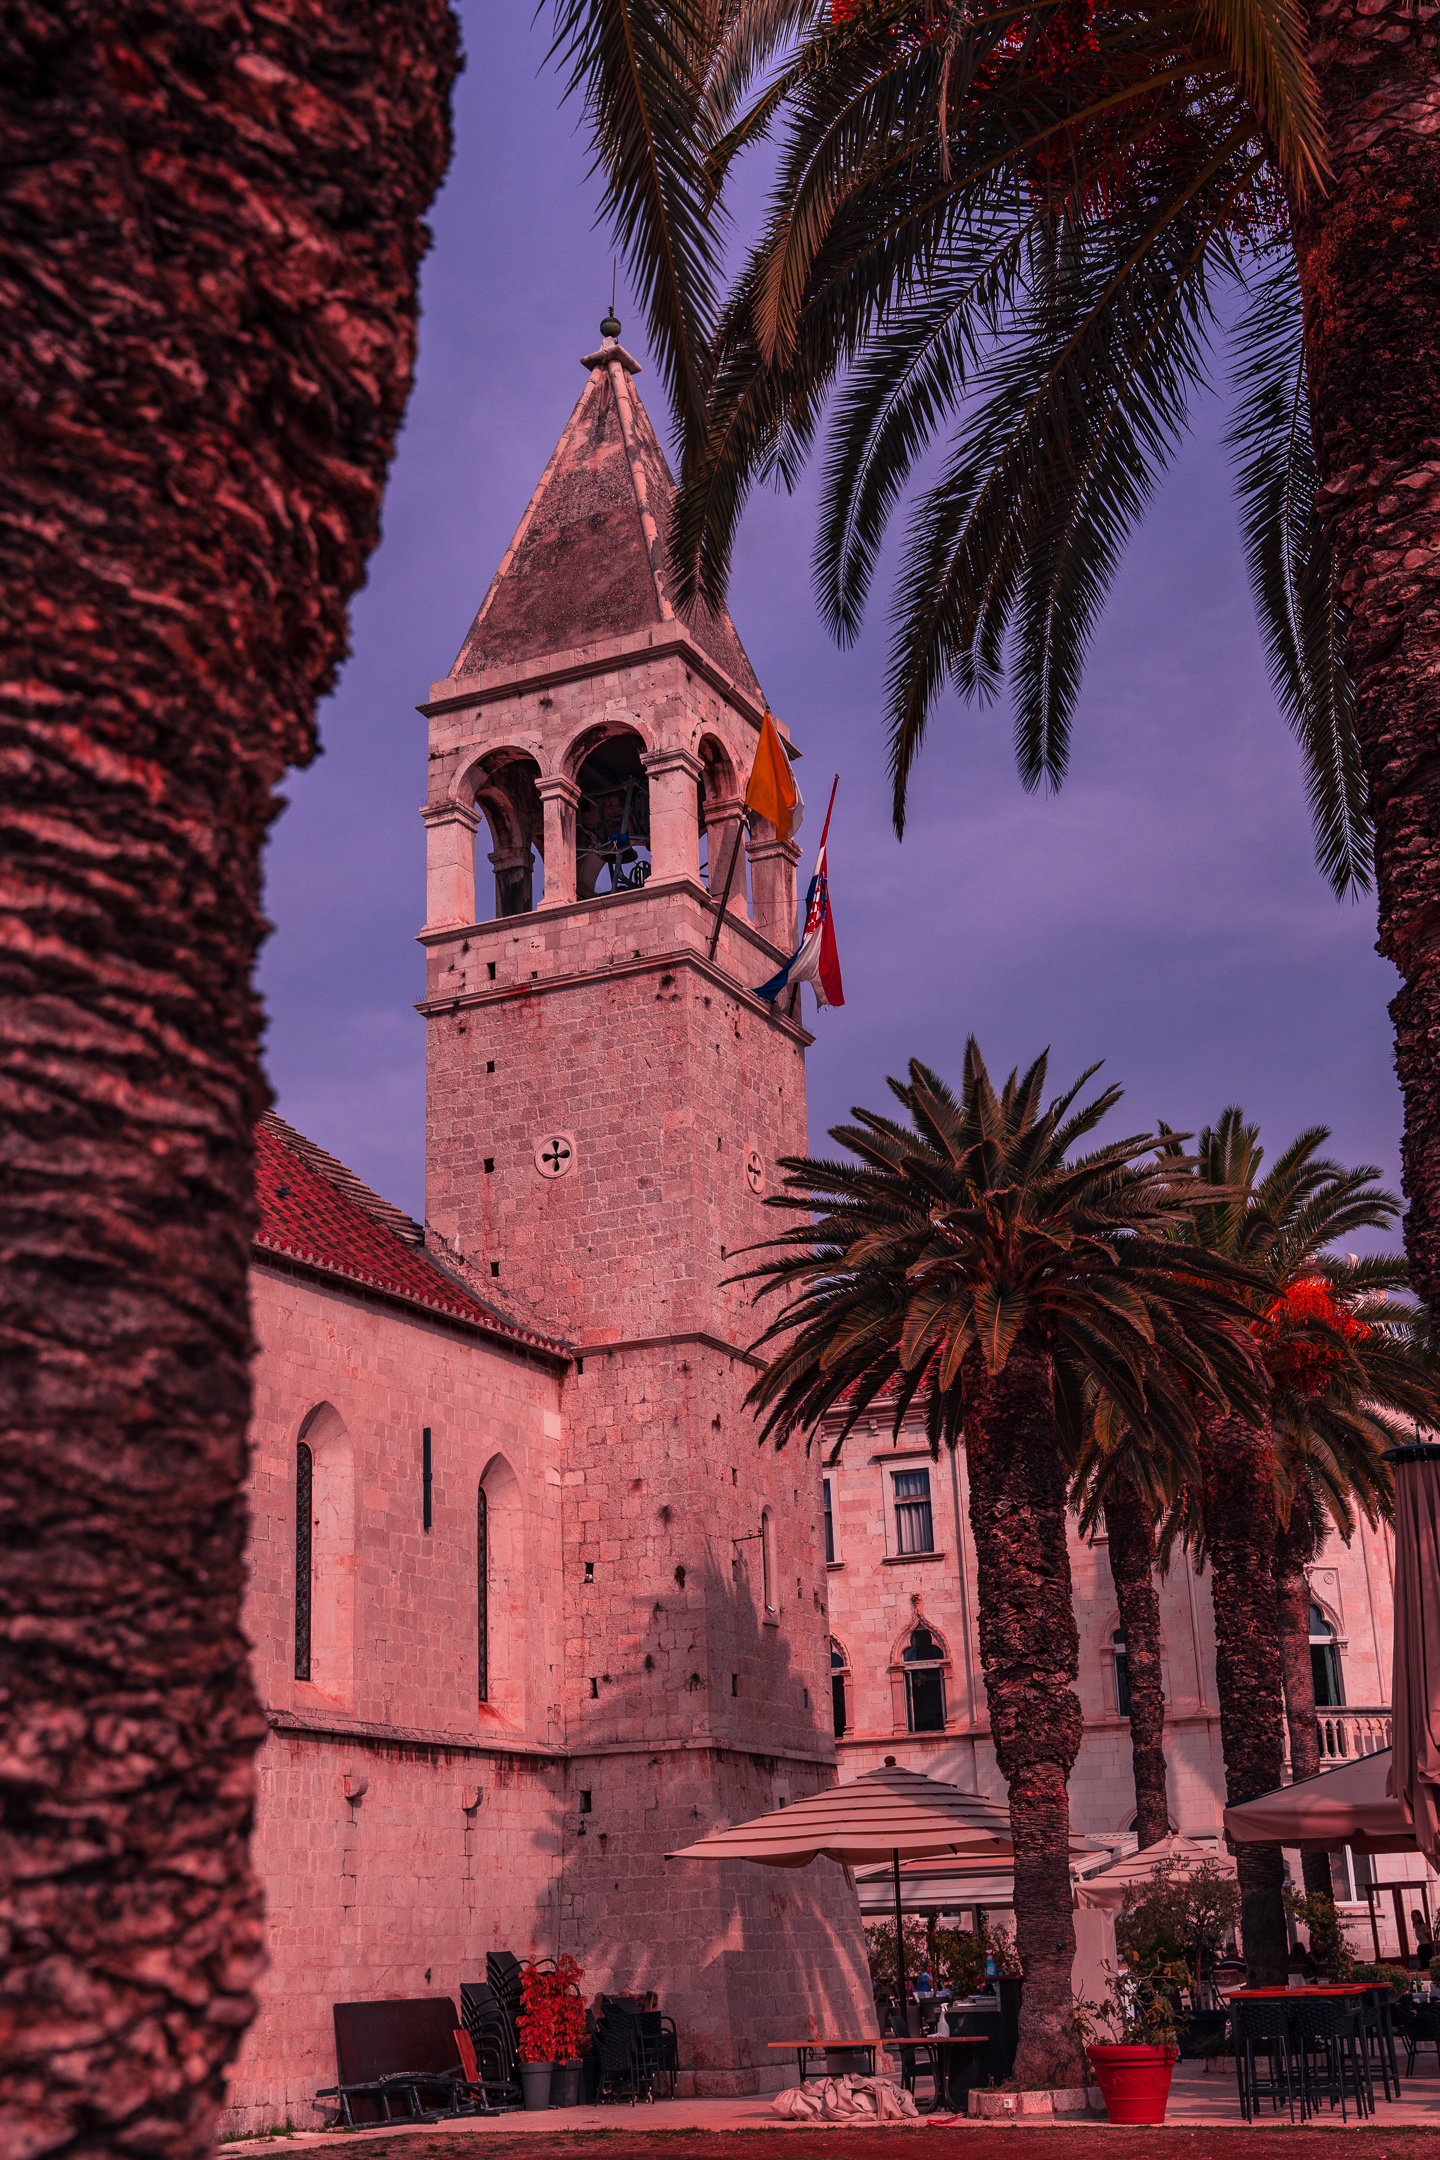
x: 729, y: 881
x: 792, y: 1007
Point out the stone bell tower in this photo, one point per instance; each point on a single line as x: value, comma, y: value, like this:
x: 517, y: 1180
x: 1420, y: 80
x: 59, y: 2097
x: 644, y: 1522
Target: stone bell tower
x: 606, y: 1103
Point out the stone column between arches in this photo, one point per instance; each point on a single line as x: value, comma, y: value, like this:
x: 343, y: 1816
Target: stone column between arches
x: 561, y: 799
x: 673, y: 777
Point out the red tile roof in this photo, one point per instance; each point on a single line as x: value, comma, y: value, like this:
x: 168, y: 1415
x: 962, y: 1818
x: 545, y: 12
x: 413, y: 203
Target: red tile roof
x: 321, y: 1220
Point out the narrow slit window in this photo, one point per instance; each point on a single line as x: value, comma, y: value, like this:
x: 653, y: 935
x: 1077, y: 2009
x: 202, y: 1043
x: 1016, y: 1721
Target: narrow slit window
x: 1122, y: 1675
x: 914, y: 1531
x: 482, y: 1585
x: 829, y: 1523
x: 304, y: 1555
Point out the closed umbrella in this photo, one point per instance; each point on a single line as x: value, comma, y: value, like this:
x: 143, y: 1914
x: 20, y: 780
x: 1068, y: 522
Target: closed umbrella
x: 886, y: 1814
x: 1414, y: 1774
x: 1107, y: 1888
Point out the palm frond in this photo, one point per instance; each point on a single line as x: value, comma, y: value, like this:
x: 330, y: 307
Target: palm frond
x: 639, y: 68
x: 1293, y: 573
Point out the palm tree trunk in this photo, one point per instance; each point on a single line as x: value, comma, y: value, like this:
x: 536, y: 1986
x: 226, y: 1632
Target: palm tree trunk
x: 1030, y: 1654
x: 1238, y: 1465
x: 1130, y: 1534
x: 209, y: 236
x: 1365, y: 250
x: 1295, y: 1547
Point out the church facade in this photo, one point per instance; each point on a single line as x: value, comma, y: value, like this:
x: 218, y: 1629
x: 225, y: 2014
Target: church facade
x: 529, y: 1607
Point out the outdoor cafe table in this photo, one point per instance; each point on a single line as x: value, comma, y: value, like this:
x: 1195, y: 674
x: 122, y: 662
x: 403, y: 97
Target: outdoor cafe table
x: 804, y: 2049
x: 945, y: 2061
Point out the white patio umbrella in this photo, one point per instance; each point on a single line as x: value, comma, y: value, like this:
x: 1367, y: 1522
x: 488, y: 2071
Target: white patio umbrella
x: 1108, y: 1886
x: 886, y: 1814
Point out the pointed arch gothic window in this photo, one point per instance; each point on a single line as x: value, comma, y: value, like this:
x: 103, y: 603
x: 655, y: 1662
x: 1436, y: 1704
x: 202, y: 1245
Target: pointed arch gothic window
x: 1325, y: 1662
x: 304, y: 1555
x: 924, y: 1662
x: 482, y: 1586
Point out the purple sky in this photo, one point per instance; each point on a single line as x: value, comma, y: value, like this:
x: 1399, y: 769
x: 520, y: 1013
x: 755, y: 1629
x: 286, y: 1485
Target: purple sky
x: 1162, y: 913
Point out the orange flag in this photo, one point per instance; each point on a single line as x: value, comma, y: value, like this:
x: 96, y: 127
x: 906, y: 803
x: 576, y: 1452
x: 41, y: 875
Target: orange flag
x: 772, y: 791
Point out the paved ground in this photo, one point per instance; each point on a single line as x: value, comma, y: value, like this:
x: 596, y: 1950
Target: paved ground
x: 1203, y: 2120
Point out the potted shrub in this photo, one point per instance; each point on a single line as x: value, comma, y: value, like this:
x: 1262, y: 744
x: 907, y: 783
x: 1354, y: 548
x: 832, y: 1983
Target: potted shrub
x: 568, y: 2032
x: 535, y: 2032
x: 1134, y: 2066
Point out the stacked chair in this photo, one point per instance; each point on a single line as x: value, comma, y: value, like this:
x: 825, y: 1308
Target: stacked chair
x: 638, y: 2050
x: 490, y: 2009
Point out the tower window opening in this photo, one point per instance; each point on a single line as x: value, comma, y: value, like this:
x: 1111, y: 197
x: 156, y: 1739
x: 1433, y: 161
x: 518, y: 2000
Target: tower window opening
x: 594, y: 1690
x: 584, y: 1801
x: 1122, y: 1674
x: 490, y: 971
x: 829, y: 1522
x: 612, y: 819
x: 494, y: 1267
x: 589, y: 1571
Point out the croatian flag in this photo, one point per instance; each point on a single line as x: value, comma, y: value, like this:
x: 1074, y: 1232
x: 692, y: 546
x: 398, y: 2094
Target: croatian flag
x: 817, y: 960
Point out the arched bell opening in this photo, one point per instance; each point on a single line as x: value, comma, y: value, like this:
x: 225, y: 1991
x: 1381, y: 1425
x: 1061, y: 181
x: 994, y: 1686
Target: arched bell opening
x: 720, y: 809
x: 612, y: 818
x: 510, y: 841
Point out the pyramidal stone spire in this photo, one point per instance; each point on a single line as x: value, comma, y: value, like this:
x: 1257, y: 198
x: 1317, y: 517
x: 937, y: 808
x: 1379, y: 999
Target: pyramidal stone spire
x: 589, y: 559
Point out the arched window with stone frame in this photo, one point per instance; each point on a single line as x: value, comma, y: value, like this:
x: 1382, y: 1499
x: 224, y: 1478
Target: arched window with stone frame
x: 482, y: 1591
x: 1325, y: 1660
x: 500, y: 1508
x: 325, y: 1553
x: 918, y: 1675
x: 304, y: 1555
x: 840, y: 1684
x: 769, y: 1592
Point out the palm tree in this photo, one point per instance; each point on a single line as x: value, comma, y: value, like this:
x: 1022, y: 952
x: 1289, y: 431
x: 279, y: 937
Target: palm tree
x: 1129, y: 1485
x: 1017, y: 227
x: 210, y: 235
x: 1333, y: 1421
x: 968, y: 1261
x: 1277, y: 1227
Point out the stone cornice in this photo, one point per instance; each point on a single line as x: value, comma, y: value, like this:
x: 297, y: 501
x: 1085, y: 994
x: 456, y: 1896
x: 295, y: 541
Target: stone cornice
x: 607, y: 657
x: 365, y: 1733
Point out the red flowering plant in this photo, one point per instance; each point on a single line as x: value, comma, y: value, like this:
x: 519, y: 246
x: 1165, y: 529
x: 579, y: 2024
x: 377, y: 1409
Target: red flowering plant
x: 1306, y: 1335
x: 551, y: 2024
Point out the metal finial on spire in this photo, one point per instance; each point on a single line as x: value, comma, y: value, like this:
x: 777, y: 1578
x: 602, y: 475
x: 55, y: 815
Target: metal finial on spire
x: 611, y: 325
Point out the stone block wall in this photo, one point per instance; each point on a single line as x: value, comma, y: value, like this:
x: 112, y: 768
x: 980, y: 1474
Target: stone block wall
x: 364, y: 1894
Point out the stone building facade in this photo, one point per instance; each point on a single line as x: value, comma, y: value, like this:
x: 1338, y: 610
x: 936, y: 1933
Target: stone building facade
x: 529, y: 1608
x: 905, y: 1667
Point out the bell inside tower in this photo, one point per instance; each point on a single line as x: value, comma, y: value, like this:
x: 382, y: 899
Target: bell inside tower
x: 612, y: 819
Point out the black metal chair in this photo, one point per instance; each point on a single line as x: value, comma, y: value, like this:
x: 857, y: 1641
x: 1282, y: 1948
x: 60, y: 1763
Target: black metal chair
x: 1263, y: 2029
x: 1329, y: 2037
x: 1419, y: 2024
x: 1380, y: 2037
x: 493, y: 2038
x: 627, y: 2068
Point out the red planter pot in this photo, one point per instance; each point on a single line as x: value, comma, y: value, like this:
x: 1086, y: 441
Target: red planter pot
x: 1134, y: 2080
